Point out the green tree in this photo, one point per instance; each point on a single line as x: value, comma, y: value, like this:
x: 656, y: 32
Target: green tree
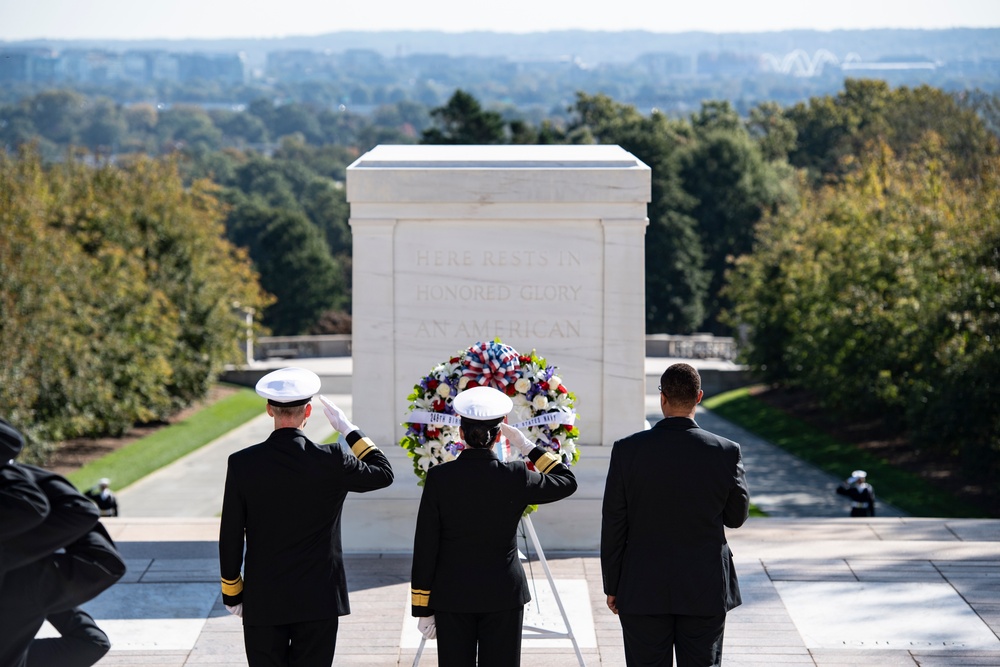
x: 833, y: 130
x: 676, y: 281
x: 240, y: 127
x: 105, y: 126
x: 879, y: 293
x: 328, y: 161
x: 117, y: 295
x: 773, y: 130
x: 57, y: 115
x: 294, y: 263
x: 296, y: 118
x: 463, y: 121
x: 189, y: 127
x: 732, y: 185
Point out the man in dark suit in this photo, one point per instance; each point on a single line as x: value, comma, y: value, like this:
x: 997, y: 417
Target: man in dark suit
x: 285, y: 497
x: 668, y: 571
x: 468, y: 585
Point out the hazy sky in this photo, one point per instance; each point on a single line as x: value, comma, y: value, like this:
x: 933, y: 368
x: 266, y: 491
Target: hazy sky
x: 175, y: 19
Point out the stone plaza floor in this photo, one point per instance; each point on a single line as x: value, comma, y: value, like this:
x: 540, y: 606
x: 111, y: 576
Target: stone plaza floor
x: 819, y: 588
x: 821, y: 592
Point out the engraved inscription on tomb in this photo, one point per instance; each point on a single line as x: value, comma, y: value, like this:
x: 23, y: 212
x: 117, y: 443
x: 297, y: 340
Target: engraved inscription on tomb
x: 527, y: 293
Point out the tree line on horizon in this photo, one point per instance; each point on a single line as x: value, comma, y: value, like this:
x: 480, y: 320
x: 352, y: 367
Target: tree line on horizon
x: 850, y: 241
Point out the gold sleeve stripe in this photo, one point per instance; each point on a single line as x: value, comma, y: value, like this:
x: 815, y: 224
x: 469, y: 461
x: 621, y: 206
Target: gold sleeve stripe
x: 547, y: 462
x: 419, y: 598
x: 232, y: 586
x: 363, y: 447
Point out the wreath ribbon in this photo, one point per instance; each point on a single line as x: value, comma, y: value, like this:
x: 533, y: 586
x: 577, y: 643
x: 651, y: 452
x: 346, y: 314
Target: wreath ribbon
x: 427, y: 417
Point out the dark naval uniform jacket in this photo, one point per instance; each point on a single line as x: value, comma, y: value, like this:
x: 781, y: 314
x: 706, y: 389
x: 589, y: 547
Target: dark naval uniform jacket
x: 465, y: 547
x: 671, y: 491
x: 284, y: 496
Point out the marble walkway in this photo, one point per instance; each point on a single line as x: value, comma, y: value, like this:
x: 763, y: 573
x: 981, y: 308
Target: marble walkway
x: 819, y: 589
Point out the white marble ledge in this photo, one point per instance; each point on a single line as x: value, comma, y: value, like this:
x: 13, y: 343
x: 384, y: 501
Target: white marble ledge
x: 496, y: 157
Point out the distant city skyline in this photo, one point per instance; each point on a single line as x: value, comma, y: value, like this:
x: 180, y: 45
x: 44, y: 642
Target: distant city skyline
x: 220, y: 19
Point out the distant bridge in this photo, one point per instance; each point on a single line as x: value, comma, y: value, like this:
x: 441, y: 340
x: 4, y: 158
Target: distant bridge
x: 800, y: 63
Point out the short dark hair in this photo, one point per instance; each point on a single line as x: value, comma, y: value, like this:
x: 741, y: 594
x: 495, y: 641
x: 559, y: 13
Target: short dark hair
x: 680, y: 383
x: 288, y: 412
x: 480, y: 434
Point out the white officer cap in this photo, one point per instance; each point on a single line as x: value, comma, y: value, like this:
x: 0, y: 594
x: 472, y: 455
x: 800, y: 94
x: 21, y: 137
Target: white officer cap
x: 482, y: 404
x: 859, y: 473
x: 105, y: 481
x: 289, y: 387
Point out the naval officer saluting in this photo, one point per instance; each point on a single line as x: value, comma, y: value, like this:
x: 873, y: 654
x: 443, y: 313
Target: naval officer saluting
x: 284, y: 496
x: 468, y: 585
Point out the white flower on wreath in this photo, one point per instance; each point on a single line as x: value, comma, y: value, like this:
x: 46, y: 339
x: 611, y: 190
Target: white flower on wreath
x: 555, y: 381
x: 522, y: 385
x: 569, y: 448
x: 522, y: 411
x: 444, y: 390
x: 538, y: 435
x: 424, y: 456
x: 422, y: 403
x: 561, y: 401
x: 540, y: 402
x: 463, y: 382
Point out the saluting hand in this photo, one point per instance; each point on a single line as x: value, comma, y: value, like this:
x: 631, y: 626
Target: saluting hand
x: 517, y: 440
x: 338, y: 420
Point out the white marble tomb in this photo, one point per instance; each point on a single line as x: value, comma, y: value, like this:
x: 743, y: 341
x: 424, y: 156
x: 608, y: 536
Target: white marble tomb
x: 541, y: 246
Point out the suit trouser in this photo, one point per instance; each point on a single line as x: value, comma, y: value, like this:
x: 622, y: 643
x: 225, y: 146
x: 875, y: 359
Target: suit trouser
x: 496, y: 635
x: 81, y: 643
x: 651, y: 639
x: 308, y: 644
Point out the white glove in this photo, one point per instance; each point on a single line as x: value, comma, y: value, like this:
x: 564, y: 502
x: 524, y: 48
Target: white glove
x: 338, y: 420
x: 517, y: 440
x: 427, y: 627
x: 236, y: 609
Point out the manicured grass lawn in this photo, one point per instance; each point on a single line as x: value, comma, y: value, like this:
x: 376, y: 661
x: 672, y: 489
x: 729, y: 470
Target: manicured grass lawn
x: 140, y: 458
x: 906, y: 491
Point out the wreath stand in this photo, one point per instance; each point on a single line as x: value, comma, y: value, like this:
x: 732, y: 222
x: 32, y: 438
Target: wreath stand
x: 537, y: 633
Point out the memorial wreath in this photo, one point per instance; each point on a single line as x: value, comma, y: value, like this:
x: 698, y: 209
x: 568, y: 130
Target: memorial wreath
x: 543, y: 407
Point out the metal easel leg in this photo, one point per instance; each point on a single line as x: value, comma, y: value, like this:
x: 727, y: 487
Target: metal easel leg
x: 552, y: 583
x: 420, y: 650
